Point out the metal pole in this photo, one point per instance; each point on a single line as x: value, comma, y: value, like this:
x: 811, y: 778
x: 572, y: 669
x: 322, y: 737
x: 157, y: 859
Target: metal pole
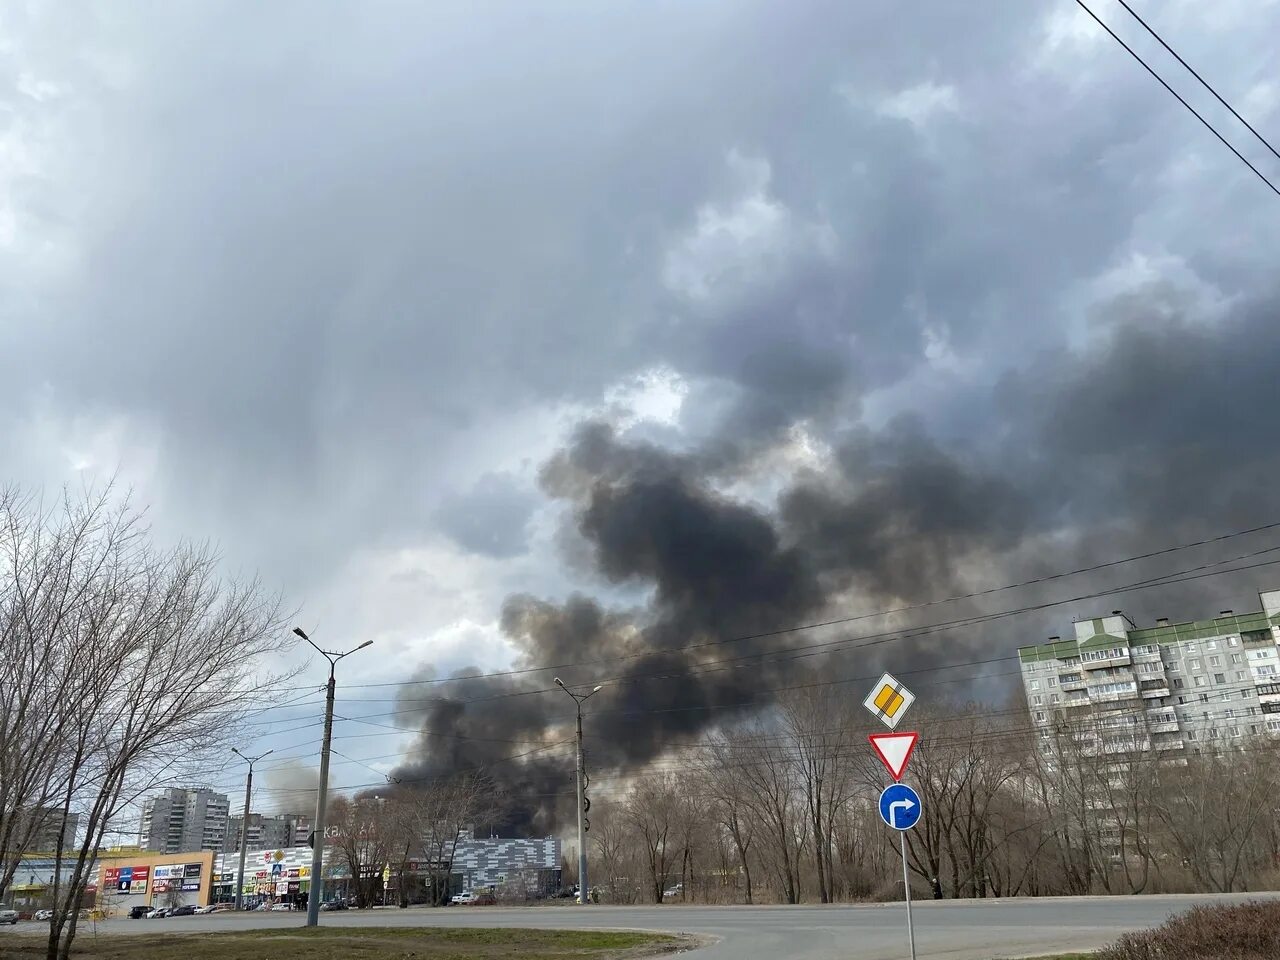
x: 317, y: 852
x: 244, y: 839
x: 582, y: 816
x: 906, y: 890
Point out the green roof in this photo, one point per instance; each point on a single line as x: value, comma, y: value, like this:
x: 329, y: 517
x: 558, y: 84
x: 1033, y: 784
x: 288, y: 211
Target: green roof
x: 1168, y: 633
x: 1200, y: 629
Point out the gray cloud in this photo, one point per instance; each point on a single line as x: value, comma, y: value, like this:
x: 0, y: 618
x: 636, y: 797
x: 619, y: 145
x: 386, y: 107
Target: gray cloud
x: 952, y: 297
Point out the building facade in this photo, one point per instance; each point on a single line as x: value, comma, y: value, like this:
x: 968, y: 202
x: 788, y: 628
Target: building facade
x: 273, y: 832
x: 531, y: 865
x: 184, y: 818
x: 1168, y: 688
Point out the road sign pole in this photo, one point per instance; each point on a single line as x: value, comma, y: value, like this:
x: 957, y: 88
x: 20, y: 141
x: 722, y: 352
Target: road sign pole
x: 906, y: 891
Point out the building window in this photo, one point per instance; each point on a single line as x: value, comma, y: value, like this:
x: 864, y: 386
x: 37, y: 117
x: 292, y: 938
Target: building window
x: 1053, y: 698
x: 1199, y: 681
x: 1053, y: 681
x: 1178, y: 683
x: 1219, y: 678
x: 1265, y: 671
x: 1233, y: 641
x: 1175, y: 667
x: 1040, y: 716
x: 1204, y: 698
x: 1035, y: 684
x: 1191, y: 646
x: 1240, y: 674
x: 1211, y: 644
x: 1191, y: 734
x: 1215, y: 661
x: 1194, y: 663
x: 1236, y: 658
x: 1036, y: 700
x: 1235, y: 731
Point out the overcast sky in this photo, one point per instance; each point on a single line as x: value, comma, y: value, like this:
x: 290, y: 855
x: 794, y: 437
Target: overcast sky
x: 346, y: 288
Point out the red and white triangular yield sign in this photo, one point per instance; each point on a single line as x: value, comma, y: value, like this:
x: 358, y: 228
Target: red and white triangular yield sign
x: 894, y: 750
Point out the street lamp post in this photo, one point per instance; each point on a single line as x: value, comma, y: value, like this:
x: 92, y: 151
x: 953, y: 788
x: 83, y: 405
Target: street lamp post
x: 244, y: 821
x: 322, y: 795
x: 578, y: 699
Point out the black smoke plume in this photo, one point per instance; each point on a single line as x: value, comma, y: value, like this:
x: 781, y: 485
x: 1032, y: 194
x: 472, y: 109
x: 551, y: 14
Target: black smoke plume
x: 1160, y: 434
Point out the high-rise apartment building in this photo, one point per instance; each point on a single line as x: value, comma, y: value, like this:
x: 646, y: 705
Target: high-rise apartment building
x: 268, y: 832
x: 1171, y: 687
x: 183, y: 819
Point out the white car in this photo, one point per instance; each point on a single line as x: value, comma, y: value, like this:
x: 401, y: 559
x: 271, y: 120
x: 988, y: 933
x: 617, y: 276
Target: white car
x: 282, y: 906
x: 8, y: 916
x: 462, y: 899
x: 42, y: 915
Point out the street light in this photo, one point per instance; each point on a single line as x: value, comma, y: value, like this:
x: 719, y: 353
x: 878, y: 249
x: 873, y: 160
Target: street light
x: 578, y: 699
x: 244, y: 821
x: 317, y: 850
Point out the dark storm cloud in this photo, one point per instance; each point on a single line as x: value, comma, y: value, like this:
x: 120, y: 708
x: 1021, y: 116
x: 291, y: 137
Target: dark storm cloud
x: 335, y: 269
x: 1134, y: 443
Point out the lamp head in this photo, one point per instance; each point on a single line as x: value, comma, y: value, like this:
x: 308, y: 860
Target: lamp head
x: 302, y: 633
x: 559, y: 682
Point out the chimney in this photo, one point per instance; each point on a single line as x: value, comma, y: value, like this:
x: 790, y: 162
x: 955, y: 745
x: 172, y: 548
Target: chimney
x: 1162, y: 621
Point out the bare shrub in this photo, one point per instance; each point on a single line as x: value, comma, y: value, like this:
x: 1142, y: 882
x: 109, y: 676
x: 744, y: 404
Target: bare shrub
x: 1245, y: 931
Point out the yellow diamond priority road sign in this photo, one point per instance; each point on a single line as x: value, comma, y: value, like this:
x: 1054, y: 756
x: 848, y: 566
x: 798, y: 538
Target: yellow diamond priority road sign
x: 889, y: 701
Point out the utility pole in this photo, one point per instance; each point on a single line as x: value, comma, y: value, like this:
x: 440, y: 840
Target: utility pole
x: 244, y: 821
x: 583, y: 802
x: 316, y: 885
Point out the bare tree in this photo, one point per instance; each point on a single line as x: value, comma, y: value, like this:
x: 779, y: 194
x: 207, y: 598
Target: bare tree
x: 818, y: 721
x: 147, y: 656
x: 652, y: 811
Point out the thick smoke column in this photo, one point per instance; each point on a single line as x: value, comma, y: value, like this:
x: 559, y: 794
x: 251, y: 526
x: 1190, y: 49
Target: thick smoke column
x: 1088, y: 467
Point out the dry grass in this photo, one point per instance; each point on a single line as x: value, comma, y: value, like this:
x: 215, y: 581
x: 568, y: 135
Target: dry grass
x: 349, y: 943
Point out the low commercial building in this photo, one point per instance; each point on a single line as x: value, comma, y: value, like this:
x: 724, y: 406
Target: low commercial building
x: 131, y: 878
x: 522, y: 867
x: 271, y: 873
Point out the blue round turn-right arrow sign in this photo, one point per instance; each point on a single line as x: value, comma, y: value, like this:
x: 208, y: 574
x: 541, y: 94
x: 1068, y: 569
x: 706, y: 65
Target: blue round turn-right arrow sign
x: 900, y: 806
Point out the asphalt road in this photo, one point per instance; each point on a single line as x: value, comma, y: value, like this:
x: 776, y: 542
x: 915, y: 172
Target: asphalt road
x: 945, y: 930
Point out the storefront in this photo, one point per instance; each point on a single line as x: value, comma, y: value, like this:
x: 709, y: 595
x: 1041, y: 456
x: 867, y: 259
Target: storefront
x: 127, y: 880
x: 274, y: 876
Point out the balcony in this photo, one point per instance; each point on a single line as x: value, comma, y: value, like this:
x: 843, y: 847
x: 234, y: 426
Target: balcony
x: 1117, y: 658
x: 1154, y: 688
x: 1163, y: 725
x: 1168, y: 744
x: 1071, y: 681
x: 1126, y: 691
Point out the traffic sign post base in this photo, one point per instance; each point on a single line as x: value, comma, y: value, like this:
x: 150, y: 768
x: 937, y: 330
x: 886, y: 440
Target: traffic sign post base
x: 906, y: 892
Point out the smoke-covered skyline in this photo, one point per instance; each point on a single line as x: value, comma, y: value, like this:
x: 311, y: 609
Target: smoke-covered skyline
x: 505, y: 335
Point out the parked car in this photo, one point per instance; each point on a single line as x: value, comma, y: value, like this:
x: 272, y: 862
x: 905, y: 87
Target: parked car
x: 156, y: 913
x: 222, y: 907
x: 42, y: 915
x: 186, y: 910
x: 8, y: 916
x: 139, y: 911
x: 462, y: 899
x: 282, y: 906
x: 334, y: 905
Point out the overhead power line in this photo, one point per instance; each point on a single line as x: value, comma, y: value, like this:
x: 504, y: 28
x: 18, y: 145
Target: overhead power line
x: 837, y: 621
x: 1203, y: 82
x: 1194, y: 112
